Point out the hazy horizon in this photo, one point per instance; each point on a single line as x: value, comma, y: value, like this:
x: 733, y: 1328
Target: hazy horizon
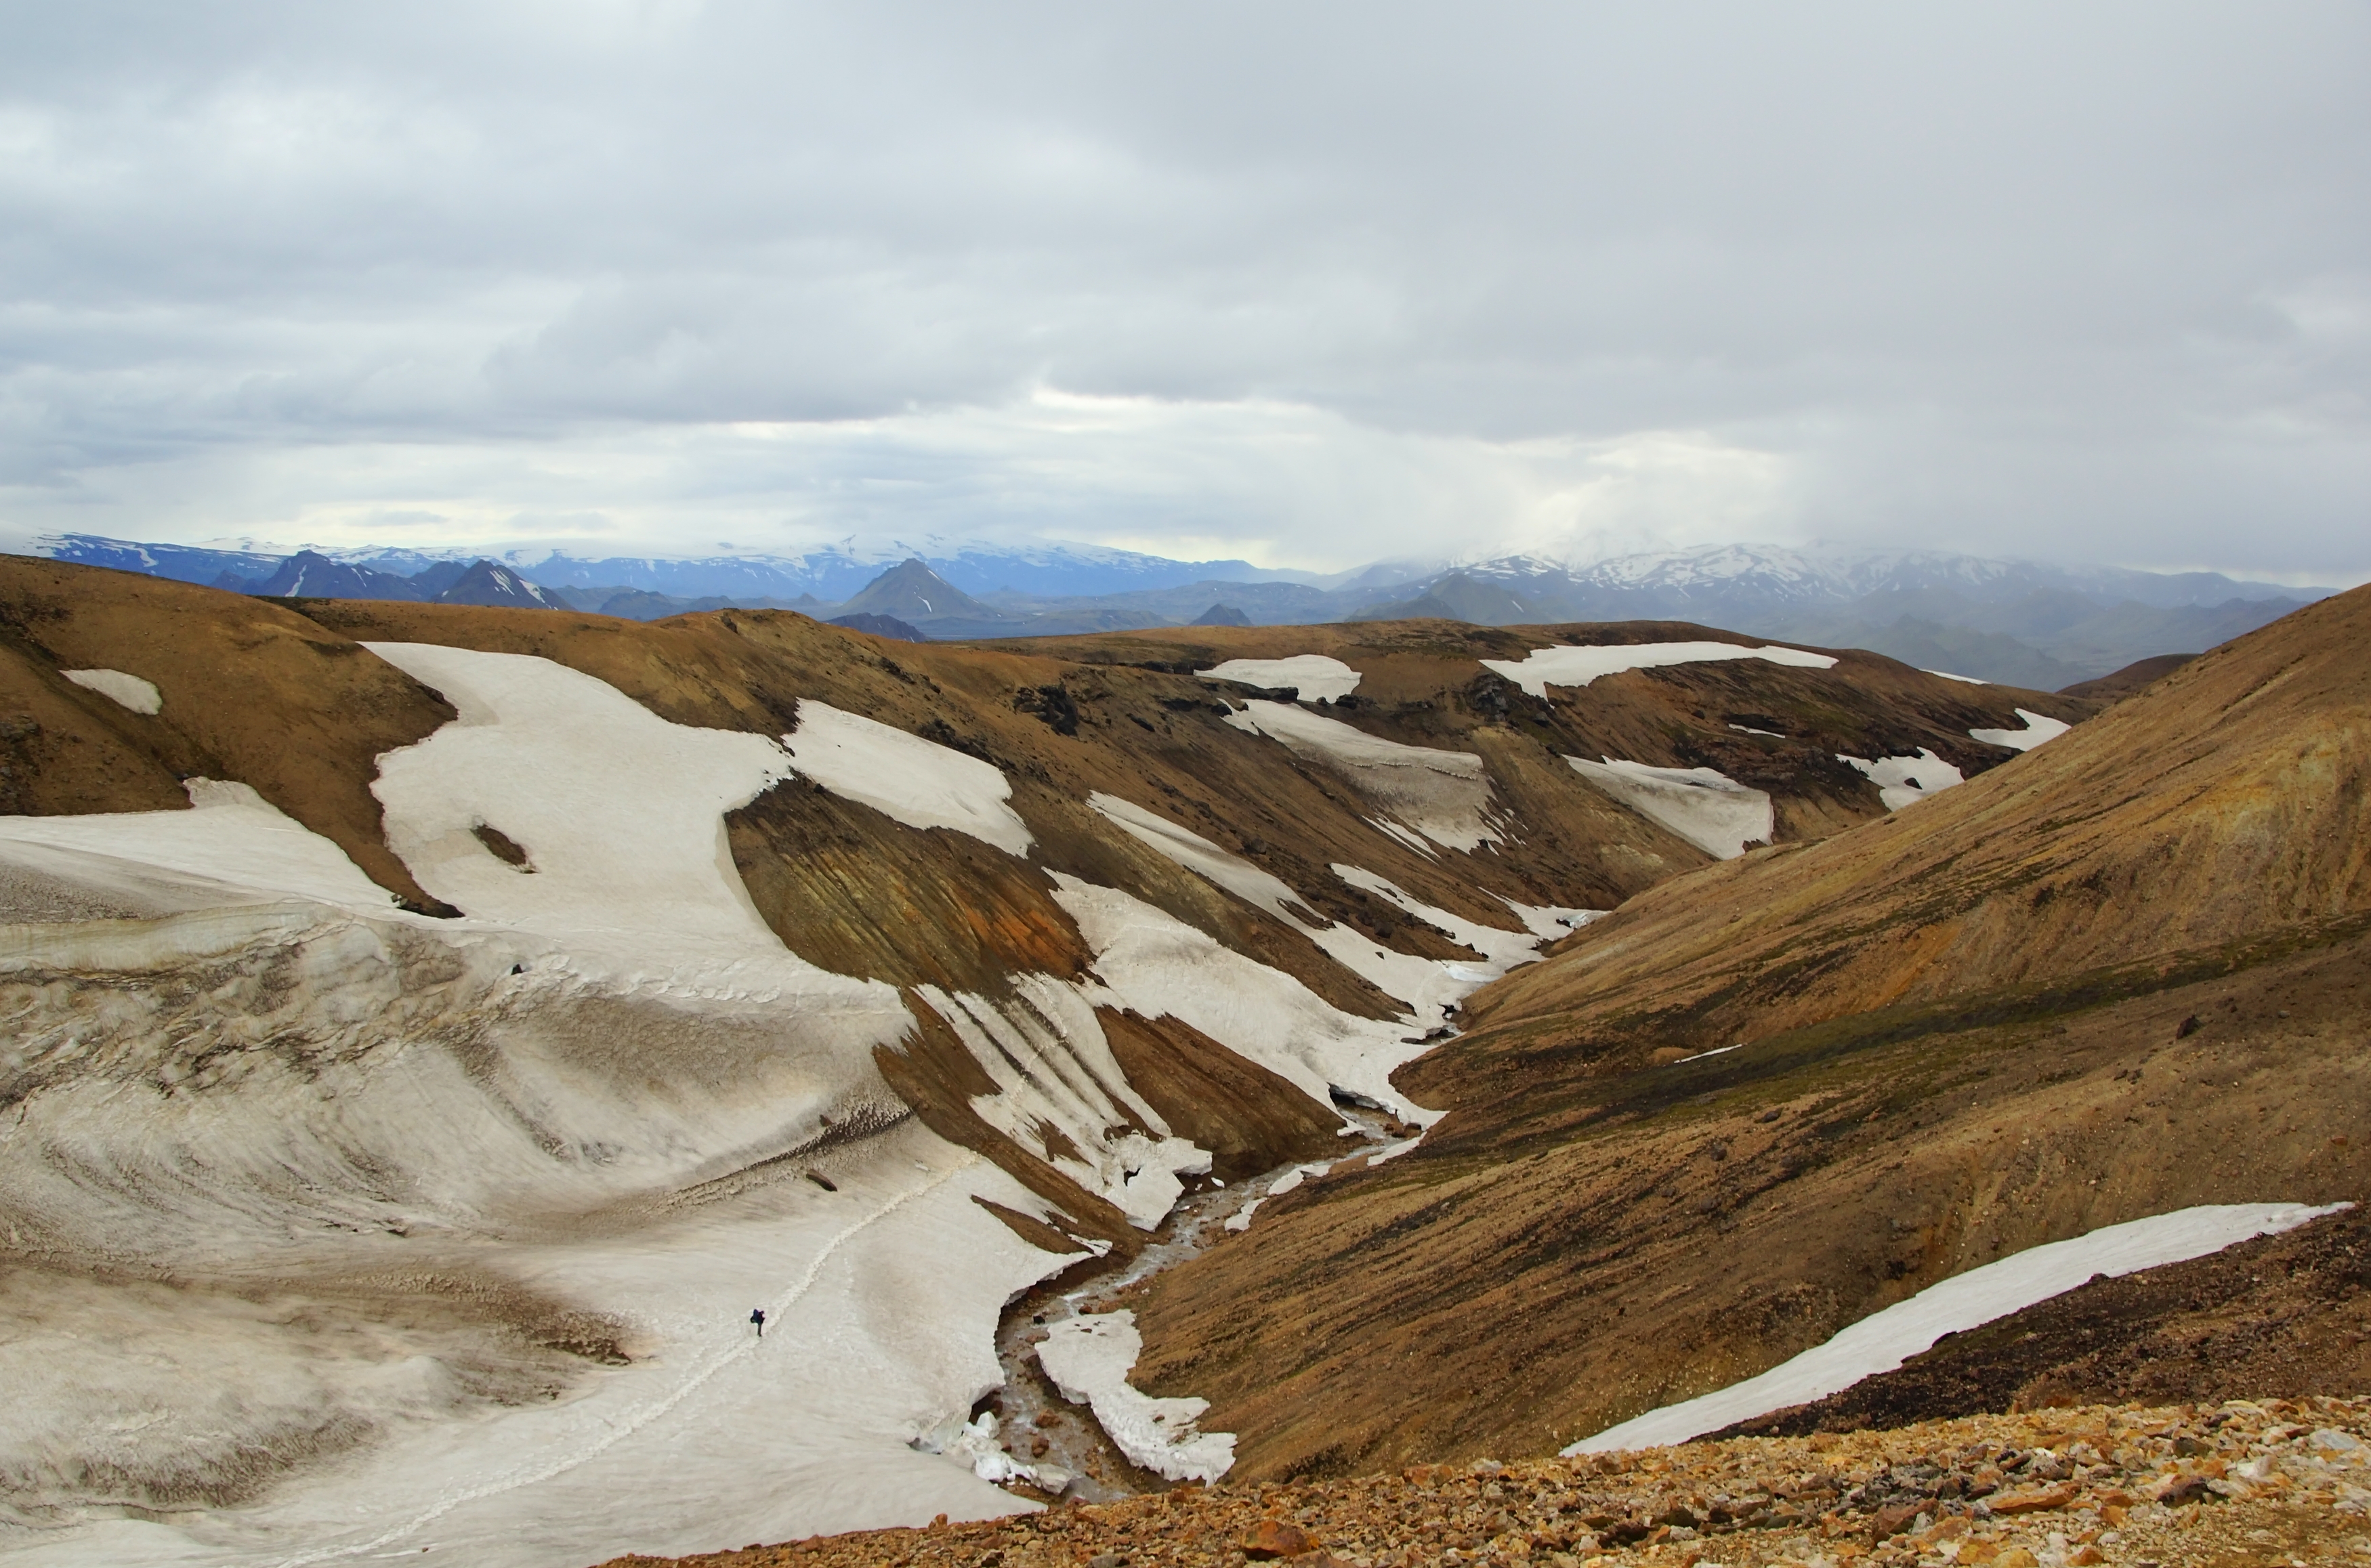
x: 1310, y: 289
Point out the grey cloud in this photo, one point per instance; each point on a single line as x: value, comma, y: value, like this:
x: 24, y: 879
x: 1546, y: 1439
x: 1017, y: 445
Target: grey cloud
x: 2023, y: 279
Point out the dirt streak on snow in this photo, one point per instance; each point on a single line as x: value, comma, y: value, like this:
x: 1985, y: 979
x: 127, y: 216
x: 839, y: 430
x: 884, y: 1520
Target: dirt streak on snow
x: 232, y: 837
x: 1703, y: 805
x: 1885, y: 1340
x: 884, y: 1294
x: 1568, y: 666
x: 1429, y: 986
x: 1444, y: 795
x: 1052, y: 1065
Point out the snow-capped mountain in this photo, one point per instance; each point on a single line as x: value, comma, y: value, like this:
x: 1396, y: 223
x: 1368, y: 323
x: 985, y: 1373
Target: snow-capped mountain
x: 1770, y: 576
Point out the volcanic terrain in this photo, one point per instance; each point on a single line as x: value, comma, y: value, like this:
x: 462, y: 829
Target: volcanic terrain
x: 433, y: 1029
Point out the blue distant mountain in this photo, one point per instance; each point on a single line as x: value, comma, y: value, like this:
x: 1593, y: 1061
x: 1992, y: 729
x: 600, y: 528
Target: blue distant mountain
x: 2017, y: 622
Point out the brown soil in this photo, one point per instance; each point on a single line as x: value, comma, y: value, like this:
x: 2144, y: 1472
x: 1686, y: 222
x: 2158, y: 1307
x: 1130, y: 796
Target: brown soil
x: 2137, y: 676
x: 252, y: 692
x: 2282, y: 1316
x: 2119, y: 975
x: 2112, y: 1485
x: 2234, y: 797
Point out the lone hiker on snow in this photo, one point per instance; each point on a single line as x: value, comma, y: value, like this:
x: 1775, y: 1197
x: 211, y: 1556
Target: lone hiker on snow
x: 758, y: 1316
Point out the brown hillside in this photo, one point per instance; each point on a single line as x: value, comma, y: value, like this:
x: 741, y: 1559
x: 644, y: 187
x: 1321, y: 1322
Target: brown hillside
x: 2138, y: 675
x: 2121, y: 974
x: 252, y: 691
x: 2235, y: 797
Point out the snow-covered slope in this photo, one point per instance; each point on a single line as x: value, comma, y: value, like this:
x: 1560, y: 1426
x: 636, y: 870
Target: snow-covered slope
x: 400, y: 1136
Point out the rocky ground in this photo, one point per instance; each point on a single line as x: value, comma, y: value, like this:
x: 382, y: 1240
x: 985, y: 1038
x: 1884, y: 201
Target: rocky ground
x: 2270, y: 1481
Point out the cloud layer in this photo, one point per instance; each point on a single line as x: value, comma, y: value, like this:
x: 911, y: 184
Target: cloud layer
x: 1315, y: 284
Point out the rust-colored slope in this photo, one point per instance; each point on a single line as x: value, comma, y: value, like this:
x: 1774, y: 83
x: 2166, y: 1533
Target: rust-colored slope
x: 2235, y: 795
x: 252, y: 692
x: 2122, y: 974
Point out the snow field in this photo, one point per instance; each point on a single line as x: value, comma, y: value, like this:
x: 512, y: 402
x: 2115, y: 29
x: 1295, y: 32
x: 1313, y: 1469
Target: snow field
x: 1885, y: 1340
x: 234, y: 839
x: 905, y: 776
x: 127, y: 690
x: 1309, y: 676
x: 2038, y: 727
x: 1089, y: 1359
x: 1429, y: 986
x: 1703, y: 805
x: 1567, y: 667
x: 1905, y: 780
x: 522, y: 1089
x: 1147, y: 961
x: 1443, y: 795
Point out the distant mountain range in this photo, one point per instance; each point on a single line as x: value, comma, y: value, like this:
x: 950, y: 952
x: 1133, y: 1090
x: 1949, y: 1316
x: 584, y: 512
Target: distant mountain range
x: 2017, y: 622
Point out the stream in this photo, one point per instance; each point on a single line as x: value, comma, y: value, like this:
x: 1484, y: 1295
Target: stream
x: 1039, y: 1427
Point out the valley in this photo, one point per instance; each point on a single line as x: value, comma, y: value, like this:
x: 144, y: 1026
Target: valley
x: 434, y: 1027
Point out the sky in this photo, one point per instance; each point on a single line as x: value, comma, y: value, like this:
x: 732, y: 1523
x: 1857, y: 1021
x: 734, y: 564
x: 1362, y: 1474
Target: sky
x: 1310, y: 284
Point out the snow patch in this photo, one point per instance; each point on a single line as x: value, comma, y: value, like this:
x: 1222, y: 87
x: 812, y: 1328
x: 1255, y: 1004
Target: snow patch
x: 905, y: 776
x: 1429, y: 986
x: 1309, y: 676
x: 1156, y: 965
x: 1444, y: 795
x: 232, y: 837
x: 622, y: 815
x: 130, y: 691
x: 1885, y: 1340
x: 1052, y: 1066
x: 1703, y: 805
x: 2038, y: 727
x: 1947, y: 675
x: 1089, y: 1359
x: 1568, y: 666
x: 1905, y: 780
x: 1500, y: 949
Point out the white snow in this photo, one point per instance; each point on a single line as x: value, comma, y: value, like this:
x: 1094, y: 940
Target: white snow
x: 622, y: 815
x: 1947, y: 675
x: 1444, y: 795
x: 131, y: 691
x: 916, y: 781
x: 1750, y: 730
x: 1551, y: 922
x: 2038, y: 727
x: 1905, y: 780
x: 1429, y: 986
x: 1088, y: 1358
x: 1703, y: 805
x: 1885, y: 1340
x: 390, y: 1097
x: 231, y: 836
x: 1568, y: 666
x: 1047, y: 1053
x: 1147, y: 961
x: 1500, y: 949
x: 1309, y: 676
x: 1403, y: 836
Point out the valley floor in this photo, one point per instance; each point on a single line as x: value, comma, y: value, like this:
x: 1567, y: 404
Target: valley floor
x: 2244, y: 1483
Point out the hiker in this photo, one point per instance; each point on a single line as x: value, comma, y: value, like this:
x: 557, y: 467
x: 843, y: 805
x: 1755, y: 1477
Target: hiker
x: 758, y: 1316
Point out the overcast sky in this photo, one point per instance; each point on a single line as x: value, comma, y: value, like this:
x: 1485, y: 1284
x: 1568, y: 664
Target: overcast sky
x: 1309, y: 283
